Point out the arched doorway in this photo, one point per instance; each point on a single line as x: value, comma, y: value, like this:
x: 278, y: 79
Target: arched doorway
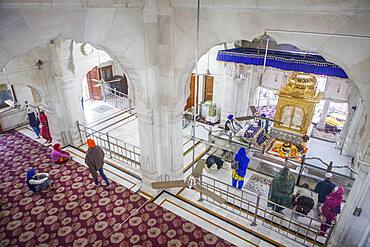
x: 252, y: 85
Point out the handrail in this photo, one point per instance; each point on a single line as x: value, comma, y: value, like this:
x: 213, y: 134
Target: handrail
x: 120, y: 100
x: 252, y: 147
x: 116, y: 148
x: 247, y: 204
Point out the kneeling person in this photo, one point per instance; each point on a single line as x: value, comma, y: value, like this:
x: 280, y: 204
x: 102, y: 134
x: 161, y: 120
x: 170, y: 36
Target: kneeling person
x: 38, y: 181
x: 303, y: 200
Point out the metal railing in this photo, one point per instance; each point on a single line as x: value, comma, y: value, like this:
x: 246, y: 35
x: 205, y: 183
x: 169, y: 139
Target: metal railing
x: 116, y: 148
x: 298, y: 227
x: 298, y: 161
x: 117, y: 98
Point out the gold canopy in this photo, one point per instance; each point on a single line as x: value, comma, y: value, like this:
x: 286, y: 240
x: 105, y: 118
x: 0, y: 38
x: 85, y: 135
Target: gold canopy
x: 296, y: 103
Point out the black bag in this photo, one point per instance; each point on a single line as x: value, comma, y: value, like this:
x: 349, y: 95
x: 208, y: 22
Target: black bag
x: 234, y: 164
x: 211, y: 160
x: 304, y: 204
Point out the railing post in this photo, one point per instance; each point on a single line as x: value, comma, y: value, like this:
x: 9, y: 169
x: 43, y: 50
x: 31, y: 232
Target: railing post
x: 109, y: 147
x: 254, y: 223
x: 79, y: 131
x: 115, y: 96
x: 330, y: 166
x: 104, y: 92
x: 301, y: 169
x: 329, y: 235
x: 85, y: 132
x: 200, y: 194
x: 129, y: 106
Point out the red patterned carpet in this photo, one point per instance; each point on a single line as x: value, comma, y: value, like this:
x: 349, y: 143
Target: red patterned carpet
x: 76, y: 213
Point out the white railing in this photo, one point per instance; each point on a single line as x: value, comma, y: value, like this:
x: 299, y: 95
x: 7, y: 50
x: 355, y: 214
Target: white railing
x: 117, y: 98
x: 116, y: 148
x: 298, y: 227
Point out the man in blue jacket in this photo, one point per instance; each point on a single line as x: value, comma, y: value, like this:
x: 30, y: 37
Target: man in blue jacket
x: 324, y: 188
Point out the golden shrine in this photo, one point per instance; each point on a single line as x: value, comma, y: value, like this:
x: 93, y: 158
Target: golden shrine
x: 296, y: 103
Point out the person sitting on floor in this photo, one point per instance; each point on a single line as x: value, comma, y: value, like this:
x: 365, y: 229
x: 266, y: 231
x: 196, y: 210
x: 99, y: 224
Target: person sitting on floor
x: 232, y: 126
x: 38, y: 181
x: 59, y: 156
x: 303, y: 200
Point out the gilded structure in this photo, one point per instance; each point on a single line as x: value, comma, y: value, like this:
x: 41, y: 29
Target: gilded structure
x: 296, y: 103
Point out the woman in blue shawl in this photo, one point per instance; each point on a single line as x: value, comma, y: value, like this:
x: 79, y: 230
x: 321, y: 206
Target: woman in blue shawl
x: 38, y: 181
x: 238, y: 174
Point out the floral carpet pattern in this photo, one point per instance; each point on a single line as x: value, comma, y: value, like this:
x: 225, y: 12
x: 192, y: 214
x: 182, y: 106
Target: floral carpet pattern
x: 259, y: 185
x: 76, y: 213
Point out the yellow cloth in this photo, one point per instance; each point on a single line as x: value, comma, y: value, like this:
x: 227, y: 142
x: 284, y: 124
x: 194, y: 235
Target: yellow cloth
x: 236, y: 176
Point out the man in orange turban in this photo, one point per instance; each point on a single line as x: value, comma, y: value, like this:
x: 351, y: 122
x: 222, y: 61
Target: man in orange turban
x: 95, y: 160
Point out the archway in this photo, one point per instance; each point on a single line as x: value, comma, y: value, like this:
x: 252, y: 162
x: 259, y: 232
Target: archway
x: 12, y: 98
x: 266, y: 81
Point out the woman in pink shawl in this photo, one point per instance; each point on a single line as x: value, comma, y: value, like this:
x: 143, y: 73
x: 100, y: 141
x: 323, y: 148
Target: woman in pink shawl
x: 331, y: 208
x: 59, y: 156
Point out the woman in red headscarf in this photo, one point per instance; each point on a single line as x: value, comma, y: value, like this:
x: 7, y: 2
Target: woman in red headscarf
x: 331, y: 208
x: 59, y: 156
x: 45, y: 132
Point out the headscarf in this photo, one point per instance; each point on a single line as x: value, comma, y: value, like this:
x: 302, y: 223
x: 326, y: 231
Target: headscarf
x: 31, y: 173
x: 56, y: 146
x: 334, y: 199
x: 243, y: 162
x: 90, y: 143
x: 231, y: 116
x: 285, y: 181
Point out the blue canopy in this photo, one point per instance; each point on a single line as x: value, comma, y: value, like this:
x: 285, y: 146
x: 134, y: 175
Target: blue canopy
x: 294, y: 61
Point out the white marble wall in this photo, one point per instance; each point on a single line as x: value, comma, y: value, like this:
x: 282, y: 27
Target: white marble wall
x: 154, y: 40
x: 23, y: 93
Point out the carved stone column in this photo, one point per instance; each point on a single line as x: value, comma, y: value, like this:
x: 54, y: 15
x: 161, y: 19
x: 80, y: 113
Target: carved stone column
x: 353, y: 137
x: 229, y: 104
x: 324, y: 114
x: 352, y: 105
x: 73, y: 109
x: 160, y: 118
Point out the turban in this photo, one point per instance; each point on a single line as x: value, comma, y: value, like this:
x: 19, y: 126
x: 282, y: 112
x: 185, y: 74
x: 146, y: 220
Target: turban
x: 56, y: 146
x: 31, y: 173
x: 91, y: 143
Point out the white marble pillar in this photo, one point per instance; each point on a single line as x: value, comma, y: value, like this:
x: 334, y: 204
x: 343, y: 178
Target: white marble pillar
x: 148, y: 152
x: 352, y: 140
x: 63, y: 106
x: 324, y: 114
x: 352, y: 105
x: 236, y: 91
x: 73, y: 109
x: 353, y: 230
x: 160, y: 118
x: 160, y: 134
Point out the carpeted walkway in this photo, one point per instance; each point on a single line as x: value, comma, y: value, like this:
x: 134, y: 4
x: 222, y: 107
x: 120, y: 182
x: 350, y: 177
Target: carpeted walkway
x: 77, y: 213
